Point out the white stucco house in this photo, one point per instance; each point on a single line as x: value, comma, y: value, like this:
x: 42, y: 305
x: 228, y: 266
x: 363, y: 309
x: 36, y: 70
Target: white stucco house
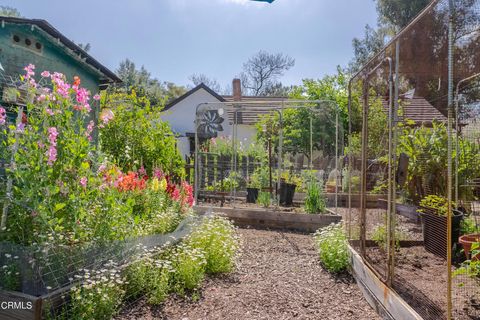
x: 180, y: 114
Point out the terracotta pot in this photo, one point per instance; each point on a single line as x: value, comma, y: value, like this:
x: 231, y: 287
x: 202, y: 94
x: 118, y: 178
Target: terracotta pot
x: 466, y: 241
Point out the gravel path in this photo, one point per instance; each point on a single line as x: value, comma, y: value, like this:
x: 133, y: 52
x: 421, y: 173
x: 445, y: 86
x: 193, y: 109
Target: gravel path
x: 278, y: 277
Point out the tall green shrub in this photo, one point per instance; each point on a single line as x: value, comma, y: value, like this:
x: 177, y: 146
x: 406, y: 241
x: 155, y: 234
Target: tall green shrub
x: 136, y: 136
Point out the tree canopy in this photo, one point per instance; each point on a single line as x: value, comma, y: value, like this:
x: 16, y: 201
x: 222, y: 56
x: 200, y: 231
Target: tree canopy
x: 261, y: 72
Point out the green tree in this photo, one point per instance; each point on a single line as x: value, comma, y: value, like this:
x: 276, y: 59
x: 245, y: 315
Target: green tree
x: 7, y: 11
x: 398, y: 13
x: 141, y: 81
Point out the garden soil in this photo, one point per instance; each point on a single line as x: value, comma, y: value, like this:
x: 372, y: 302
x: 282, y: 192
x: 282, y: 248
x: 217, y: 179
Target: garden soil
x: 278, y: 277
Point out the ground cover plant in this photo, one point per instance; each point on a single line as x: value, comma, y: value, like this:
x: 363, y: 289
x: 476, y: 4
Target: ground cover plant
x: 331, y: 243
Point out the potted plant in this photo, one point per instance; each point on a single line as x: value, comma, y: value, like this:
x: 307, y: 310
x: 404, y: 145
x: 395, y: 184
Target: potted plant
x: 433, y: 210
x: 470, y: 235
x: 288, y: 184
x: 253, y: 186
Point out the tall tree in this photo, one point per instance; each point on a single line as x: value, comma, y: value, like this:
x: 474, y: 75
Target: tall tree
x: 398, y: 13
x: 202, y: 78
x: 262, y: 71
x: 140, y: 80
x: 7, y: 11
x: 392, y: 16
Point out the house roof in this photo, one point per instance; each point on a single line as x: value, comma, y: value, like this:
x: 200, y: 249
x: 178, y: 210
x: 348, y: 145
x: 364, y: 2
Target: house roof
x: 48, y: 28
x: 254, y: 112
x: 419, y: 110
x: 189, y: 93
x: 251, y: 113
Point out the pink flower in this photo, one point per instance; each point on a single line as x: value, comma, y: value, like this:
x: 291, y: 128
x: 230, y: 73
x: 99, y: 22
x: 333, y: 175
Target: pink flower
x: 106, y: 117
x: 52, y: 155
x: 89, y: 131
x: 45, y: 74
x: 52, y: 135
x: 3, y: 116
x: 29, y: 71
x: 96, y: 97
x: 41, y: 98
x: 102, y: 168
x: 83, y: 182
x: 49, y: 111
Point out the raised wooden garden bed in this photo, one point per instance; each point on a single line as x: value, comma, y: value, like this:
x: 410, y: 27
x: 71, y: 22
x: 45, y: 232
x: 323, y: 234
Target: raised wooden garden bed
x: 274, y: 219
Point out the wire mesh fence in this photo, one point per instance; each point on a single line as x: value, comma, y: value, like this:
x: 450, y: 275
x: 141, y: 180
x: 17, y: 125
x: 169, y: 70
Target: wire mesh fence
x: 417, y: 237
x: 253, y: 151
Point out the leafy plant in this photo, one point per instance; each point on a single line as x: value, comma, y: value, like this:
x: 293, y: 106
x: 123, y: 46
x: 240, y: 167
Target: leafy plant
x: 471, y: 268
x: 379, y: 235
x: 437, y: 203
x: 264, y: 199
x: 315, y: 201
x: 189, y: 268
x: 98, y: 297
x: 136, y: 136
x: 331, y: 243
x: 216, y: 238
x: 469, y: 225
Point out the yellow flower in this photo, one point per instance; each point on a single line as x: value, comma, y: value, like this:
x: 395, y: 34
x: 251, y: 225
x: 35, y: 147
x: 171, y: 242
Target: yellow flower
x: 155, y: 184
x: 163, y: 184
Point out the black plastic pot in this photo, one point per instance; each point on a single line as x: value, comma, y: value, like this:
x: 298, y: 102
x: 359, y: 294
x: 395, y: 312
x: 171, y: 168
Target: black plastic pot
x: 252, y: 195
x: 286, y: 193
x: 435, y: 232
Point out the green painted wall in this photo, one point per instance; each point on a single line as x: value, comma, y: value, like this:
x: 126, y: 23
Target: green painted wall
x: 14, y: 56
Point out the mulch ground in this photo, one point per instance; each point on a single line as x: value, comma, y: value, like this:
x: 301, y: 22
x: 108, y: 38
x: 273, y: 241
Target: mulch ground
x: 278, y: 277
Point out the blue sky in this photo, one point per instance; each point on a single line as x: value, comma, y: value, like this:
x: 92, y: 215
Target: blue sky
x: 176, y: 38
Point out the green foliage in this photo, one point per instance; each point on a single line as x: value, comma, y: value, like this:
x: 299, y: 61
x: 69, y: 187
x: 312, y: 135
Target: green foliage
x: 315, y: 201
x: 427, y: 169
x: 216, y: 238
x: 379, y: 235
x: 264, y: 199
x: 98, y: 297
x: 471, y: 268
x: 157, y: 93
x: 189, y: 268
x: 222, y: 146
x: 138, y: 137
x: 10, y: 274
x: 398, y: 13
x: 332, y: 247
x: 469, y: 225
x: 151, y: 277
x: 437, y: 203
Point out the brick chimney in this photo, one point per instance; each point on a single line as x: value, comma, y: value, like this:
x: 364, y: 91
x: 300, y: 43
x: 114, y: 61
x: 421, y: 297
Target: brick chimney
x: 237, y: 90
